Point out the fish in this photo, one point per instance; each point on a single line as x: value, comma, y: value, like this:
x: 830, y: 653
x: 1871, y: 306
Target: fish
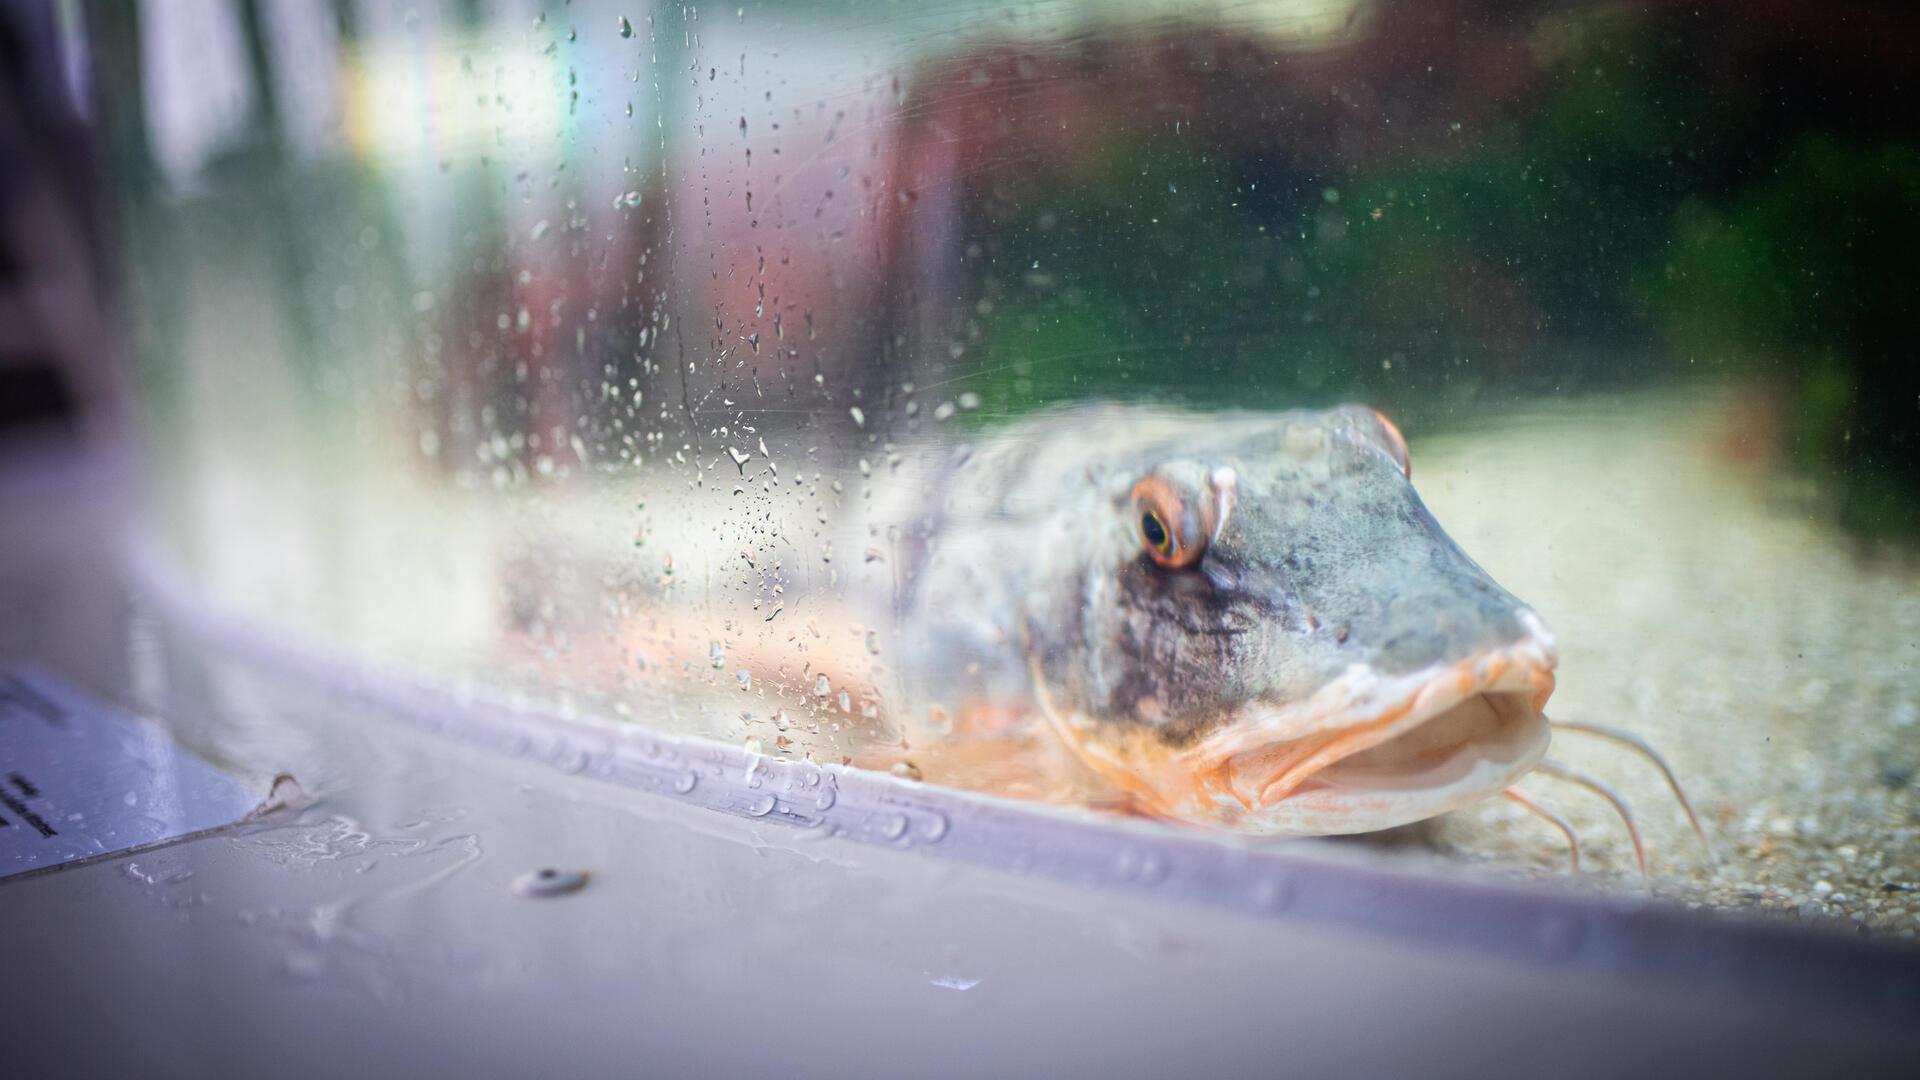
x: 1242, y: 620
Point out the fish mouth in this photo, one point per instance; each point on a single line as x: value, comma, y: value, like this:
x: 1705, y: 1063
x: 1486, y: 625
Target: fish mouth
x: 1365, y: 752
x: 1375, y: 775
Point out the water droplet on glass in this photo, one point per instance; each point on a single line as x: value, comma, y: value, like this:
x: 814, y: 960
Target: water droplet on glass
x: 894, y: 827
x: 626, y: 28
x: 753, y: 745
x: 821, y: 687
x: 1559, y: 936
x: 761, y: 806
x: 906, y: 770
x: 305, y: 963
x: 969, y: 401
x: 859, y: 417
x: 1272, y: 894
x: 685, y: 782
x: 718, y: 655
x: 549, y: 881
x: 933, y: 826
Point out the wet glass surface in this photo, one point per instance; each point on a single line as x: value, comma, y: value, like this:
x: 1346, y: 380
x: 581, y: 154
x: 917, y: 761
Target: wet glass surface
x: 650, y: 361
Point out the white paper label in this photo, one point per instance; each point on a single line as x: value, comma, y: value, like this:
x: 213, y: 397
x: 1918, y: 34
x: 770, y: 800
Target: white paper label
x: 80, y: 780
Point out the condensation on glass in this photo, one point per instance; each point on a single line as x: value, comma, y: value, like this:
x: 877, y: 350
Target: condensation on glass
x: 613, y: 354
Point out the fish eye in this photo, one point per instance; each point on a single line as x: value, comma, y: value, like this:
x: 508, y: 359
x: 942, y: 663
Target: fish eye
x: 1154, y: 531
x: 1173, y: 528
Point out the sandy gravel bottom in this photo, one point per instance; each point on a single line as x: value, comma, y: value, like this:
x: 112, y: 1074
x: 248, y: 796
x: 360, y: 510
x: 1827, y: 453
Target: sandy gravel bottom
x: 1701, y: 601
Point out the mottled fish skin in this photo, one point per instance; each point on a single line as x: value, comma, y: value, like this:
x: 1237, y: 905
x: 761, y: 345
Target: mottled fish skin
x: 1031, y: 546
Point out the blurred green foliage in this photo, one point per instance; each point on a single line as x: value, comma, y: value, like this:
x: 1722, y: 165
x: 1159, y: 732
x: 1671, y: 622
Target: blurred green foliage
x: 1806, y: 279
x: 1636, y: 222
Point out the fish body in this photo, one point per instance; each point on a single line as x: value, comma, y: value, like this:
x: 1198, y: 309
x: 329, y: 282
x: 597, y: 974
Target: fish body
x: 1248, y: 620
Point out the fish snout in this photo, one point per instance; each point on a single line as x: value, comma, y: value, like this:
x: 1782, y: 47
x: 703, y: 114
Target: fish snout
x: 1445, y: 618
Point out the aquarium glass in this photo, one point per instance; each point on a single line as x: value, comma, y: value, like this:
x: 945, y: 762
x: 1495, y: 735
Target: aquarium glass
x: 618, y: 359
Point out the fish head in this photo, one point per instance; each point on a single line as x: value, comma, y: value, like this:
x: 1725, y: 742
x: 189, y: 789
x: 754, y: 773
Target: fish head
x: 1270, y: 631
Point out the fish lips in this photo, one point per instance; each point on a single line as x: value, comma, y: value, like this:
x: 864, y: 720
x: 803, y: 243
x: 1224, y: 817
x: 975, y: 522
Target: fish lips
x: 1367, y: 751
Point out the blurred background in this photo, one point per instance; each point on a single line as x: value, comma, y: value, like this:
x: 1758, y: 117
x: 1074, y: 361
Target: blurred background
x: 578, y: 348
